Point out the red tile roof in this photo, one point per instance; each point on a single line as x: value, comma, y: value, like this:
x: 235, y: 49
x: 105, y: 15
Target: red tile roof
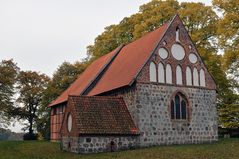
x: 121, y: 70
x: 85, y: 79
x: 102, y: 115
x: 129, y: 62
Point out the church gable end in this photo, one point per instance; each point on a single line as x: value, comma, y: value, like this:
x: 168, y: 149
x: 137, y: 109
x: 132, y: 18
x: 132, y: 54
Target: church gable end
x: 175, y: 93
x: 176, y: 61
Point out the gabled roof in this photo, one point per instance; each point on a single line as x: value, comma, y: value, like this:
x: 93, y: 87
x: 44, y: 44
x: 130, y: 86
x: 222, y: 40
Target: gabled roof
x: 102, y: 115
x: 87, y: 77
x: 129, y: 62
x: 119, y: 67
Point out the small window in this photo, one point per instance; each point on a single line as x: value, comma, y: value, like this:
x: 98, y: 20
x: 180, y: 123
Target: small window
x: 178, y: 107
x: 69, y: 122
x: 177, y: 34
x: 88, y: 139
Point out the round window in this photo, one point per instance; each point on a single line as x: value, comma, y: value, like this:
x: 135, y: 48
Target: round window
x: 192, y: 58
x: 163, y: 53
x: 178, y: 51
x: 69, y: 122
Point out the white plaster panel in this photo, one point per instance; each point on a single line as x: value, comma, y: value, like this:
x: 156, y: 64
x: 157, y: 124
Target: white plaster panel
x: 179, y: 79
x: 178, y: 51
x: 152, y: 72
x: 192, y: 58
x: 188, y: 76
x: 163, y: 53
x: 202, y: 78
x: 161, y: 73
x: 195, y: 77
x: 169, y: 74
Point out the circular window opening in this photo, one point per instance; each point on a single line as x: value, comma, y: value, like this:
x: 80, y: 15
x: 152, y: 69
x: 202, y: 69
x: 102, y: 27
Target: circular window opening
x: 163, y: 53
x: 192, y: 58
x: 178, y: 51
x: 69, y: 122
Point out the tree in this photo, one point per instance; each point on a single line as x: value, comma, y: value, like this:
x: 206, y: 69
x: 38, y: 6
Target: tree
x: 229, y: 38
x: 31, y: 86
x: 8, y: 74
x: 227, y: 31
x: 229, y: 115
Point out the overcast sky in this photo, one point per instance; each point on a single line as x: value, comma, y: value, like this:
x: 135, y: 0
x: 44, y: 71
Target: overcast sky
x: 41, y: 34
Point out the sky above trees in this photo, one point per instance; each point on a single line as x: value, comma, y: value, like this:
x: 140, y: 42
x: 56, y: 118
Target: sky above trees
x: 41, y: 35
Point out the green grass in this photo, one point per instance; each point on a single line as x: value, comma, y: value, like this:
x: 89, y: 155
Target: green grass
x: 224, y: 149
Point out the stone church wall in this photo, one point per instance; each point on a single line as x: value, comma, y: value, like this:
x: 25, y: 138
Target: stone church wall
x: 156, y: 125
x: 149, y: 105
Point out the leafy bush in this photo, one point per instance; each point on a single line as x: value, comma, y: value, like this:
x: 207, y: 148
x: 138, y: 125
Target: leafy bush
x: 29, y: 136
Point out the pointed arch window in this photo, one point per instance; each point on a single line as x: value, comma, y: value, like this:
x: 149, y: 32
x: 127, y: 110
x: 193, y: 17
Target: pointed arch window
x: 189, y: 76
x: 152, y: 72
x: 161, y: 73
x: 195, y: 77
x: 179, y: 79
x: 202, y: 78
x: 169, y: 74
x: 178, y: 107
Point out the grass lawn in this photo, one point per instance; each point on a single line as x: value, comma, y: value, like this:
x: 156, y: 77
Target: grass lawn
x: 224, y: 149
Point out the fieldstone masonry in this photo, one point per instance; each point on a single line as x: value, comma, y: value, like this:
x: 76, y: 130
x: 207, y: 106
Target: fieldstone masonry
x: 149, y: 105
x: 95, y: 144
x: 156, y: 126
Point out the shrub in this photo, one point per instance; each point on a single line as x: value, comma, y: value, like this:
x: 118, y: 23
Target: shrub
x: 29, y: 136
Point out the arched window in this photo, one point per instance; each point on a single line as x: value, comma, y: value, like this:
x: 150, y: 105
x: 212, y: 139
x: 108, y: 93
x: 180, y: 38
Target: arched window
x: 188, y: 76
x: 169, y: 74
x: 179, y: 79
x: 202, y: 78
x: 161, y: 73
x: 152, y: 72
x: 178, y: 107
x: 195, y: 77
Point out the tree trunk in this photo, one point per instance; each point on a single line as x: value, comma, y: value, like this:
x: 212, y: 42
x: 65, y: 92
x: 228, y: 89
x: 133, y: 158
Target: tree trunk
x: 31, y: 123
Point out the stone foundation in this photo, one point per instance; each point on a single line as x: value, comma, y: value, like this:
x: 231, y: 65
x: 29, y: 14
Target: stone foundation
x: 95, y: 144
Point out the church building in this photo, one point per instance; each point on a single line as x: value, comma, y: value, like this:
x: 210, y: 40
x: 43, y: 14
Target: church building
x: 155, y: 90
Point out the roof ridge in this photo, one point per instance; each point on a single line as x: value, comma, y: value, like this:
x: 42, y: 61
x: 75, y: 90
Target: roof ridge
x: 99, y: 97
x: 117, y: 51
